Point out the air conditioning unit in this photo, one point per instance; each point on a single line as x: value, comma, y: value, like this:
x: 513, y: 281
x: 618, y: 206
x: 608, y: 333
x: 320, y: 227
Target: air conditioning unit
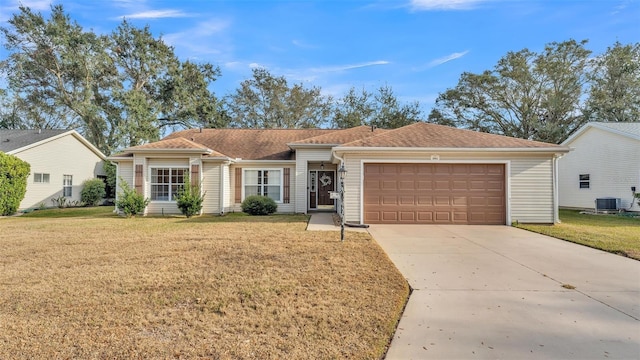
x: 608, y: 204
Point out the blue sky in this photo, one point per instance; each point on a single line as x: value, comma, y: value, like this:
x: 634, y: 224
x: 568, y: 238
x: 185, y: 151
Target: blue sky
x: 418, y: 47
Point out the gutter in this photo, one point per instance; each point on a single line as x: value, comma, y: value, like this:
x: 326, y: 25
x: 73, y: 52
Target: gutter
x: 456, y: 150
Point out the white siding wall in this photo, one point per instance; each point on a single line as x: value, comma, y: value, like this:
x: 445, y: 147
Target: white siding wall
x: 226, y: 188
x: 530, y: 181
x: 612, y: 162
x: 532, y: 190
x: 211, y: 184
x: 282, y: 207
x: 303, y: 156
x: 62, y: 156
x: 160, y: 207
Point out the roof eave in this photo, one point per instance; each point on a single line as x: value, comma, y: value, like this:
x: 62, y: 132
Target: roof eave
x: 443, y: 149
x: 179, y: 151
x: 310, y: 146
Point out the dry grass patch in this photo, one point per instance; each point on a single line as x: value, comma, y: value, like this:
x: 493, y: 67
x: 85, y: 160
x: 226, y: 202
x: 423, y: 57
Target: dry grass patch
x: 209, y: 287
x: 616, y: 234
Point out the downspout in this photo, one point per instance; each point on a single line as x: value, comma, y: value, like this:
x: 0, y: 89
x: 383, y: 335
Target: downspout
x: 221, y: 200
x: 556, y: 216
x: 115, y: 208
x: 341, y: 164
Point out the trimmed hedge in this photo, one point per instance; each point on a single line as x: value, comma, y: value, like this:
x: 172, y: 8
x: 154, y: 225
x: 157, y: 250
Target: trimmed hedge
x: 129, y: 201
x: 13, y: 182
x: 92, y: 192
x: 189, y: 198
x: 259, y: 205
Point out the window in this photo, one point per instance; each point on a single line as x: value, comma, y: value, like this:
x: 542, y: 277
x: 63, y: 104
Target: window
x: 41, y: 178
x: 263, y: 182
x: 584, y: 181
x: 67, y: 185
x: 165, y: 183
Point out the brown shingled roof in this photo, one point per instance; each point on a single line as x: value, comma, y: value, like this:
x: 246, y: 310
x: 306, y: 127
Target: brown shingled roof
x: 174, y: 143
x: 250, y: 144
x: 425, y: 135
x: 342, y: 136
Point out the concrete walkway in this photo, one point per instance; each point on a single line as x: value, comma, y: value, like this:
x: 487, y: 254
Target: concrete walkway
x: 492, y: 292
x: 323, y: 221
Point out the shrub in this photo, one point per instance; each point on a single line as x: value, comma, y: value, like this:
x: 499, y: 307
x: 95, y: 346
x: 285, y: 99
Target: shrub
x: 93, y: 191
x: 60, y: 202
x: 189, y: 199
x: 13, y: 182
x: 259, y: 205
x: 110, y: 171
x: 129, y: 201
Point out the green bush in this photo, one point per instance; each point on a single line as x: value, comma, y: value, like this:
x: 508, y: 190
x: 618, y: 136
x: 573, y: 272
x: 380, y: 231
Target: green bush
x: 110, y: 171
x: 189, y: 199
x: 259, y: 205
x: 129, y: 201
x: 93, y: 191
x: 13, y: 183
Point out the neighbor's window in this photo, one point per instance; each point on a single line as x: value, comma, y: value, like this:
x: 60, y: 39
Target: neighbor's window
x: 67, y: 185
x: 584, y: 181
x: 41, y: 178
x: 165, y: 183
x: 263, y: 182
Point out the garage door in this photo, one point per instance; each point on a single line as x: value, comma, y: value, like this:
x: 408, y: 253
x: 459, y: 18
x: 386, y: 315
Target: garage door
x: 434, y: 193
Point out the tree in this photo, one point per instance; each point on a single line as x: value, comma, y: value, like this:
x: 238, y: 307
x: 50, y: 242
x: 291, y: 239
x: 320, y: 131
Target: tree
x: 354, y: 109
x: 615, y: 85
x: 190, y: 198
x: 13, y: 182
x: 59, y: 70
x: 118, y: 90
x: 381, y: 109
x: 527, y: 95
x: 267, y: 101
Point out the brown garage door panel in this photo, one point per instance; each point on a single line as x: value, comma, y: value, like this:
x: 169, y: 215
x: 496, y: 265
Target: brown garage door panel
x: 434, y: 193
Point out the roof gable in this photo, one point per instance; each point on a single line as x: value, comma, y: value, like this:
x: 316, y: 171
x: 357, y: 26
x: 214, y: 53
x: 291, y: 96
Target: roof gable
x: 426, y: 135
x: 250, y: 144
x: 11, y: 140
x: 627, y: 129
x: 341, y: 136
x: 15, y: 141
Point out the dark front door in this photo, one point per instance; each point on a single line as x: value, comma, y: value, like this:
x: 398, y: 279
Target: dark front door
x: 326, y: 183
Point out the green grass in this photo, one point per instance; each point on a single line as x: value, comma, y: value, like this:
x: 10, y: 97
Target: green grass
x: 612, y: 233
x: 93, y: 212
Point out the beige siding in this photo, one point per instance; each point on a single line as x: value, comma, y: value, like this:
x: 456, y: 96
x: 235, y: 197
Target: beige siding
x: 612, y: 162
x: 532, y: 190
x: 161, y: 207
x: 125, y: 172
x: 59, y: 157
x: 282, y: 207
x: 211, y: 184
x: 226, y: 189
x: 300, y: 174
x: 530, y: 181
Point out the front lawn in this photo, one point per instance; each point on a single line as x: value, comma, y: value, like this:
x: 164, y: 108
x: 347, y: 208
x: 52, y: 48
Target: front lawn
x: 617, y: 234
x: 234, y: 287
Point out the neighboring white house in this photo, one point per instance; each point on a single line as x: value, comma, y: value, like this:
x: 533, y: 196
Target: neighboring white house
x: 420, y: 173
x: 60, y: 161
x: 604, y: 162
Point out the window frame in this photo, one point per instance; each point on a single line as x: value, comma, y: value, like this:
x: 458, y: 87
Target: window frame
x: 42, y: 178
x: 281, y: 184
x: 584, y: 181
x: 67, y: 185
x: 170, y: 192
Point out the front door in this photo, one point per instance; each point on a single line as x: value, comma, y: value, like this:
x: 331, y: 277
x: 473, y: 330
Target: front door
x: 321, y: 182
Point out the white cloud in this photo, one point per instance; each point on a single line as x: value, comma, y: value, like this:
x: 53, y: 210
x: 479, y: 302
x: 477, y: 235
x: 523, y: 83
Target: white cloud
x: 445, y: 59
x: 204, y: 38
x: 156, y: 14
x: 426, y: 5
x: 348, y: 67
x: 302, y: 44
x: 441, y: 60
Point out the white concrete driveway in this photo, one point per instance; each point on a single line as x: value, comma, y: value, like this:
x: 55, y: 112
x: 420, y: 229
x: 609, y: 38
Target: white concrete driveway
x: 496, y: 292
